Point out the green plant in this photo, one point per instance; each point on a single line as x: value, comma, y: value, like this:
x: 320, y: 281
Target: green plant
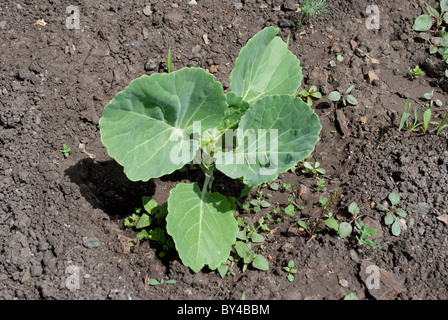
x: 153, y: 216
x: 313, y: 227
x: 161, y: 122
x: 442, y: 125
x: 246, y: 253
x: 308, y: 96
x: 346, y: 97
x: 351, y: 296
x: 320, y: 185
x: 429, y: 96
x: 310, y: 8
x: 434, y: 18
x: 65, y: 150
x: 394, y: 214
x: 345, y: 229
x: 411, y: 126
x: 155, y: 282
x: 260, y: 201
x: 291, y: 270
x: 416, y: 72
x: 313, y: 169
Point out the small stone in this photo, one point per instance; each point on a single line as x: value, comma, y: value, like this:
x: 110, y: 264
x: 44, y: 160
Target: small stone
x: 238, y: 5
x: 443, y: 218
x: 151, y: 64
x: 397, y: 72
x: 423, y: 209
x: 26, y: 276
x: 91, y: 242
x: 192, y: 3
x: 205, y: 38
x: 285, y: 23
x: 2, y: 24
x: 372, y: 78
x: 354, y: 255
x: 343, y: 283
x: 147, y: 11
x: 287, y: 247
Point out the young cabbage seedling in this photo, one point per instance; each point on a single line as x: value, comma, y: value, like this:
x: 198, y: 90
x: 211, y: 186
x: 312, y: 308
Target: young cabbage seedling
x: 163, y: 121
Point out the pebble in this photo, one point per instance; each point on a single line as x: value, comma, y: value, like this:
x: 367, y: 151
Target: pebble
x: 91, y: 242
x: 354, y: 255
x: 3, y: 24
x: 423, y: 209
x: 147, y: 11
x: 397, y: 72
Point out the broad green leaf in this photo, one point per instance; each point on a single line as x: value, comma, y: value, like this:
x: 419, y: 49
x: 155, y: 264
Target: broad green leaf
x: 146, y: 127
x: 242, y: 249
x: 202, y: 226
x: 444, y: 5
x: 222, y: 269
x: 396, y: 229
x: 149, y: 203
x: 334, y: 96
x: 265, y: 66
x: 394, y: 198
x: 143, y: 221
x: 345, y: 229
x: 302, y: 224
x: 389, y: 218
x: 422, y: 23
x: 332, y: 224
x: 401, y: 213
x: 352, y: 100
x: 353, y: 209
x: 256, y: 237
x: 273, y: 135
x: 289, y: 210
x: 260, y: 263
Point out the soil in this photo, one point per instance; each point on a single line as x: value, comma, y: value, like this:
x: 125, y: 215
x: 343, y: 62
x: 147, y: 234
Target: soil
x: 61, y: 219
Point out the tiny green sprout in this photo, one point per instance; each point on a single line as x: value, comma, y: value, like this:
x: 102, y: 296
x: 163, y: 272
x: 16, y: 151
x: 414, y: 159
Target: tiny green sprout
x: 314, y: 170
x: 155, y: 282
x: 429, y: 96
x: 394, y: 214
x: 340, y: 58
x: 351, y: 296
x: 244, y: 251
x: 332, y: 64
x: 131, y: 246
x: 346, y: 97
x: 65, y: 150
x: 416, y: 72
x: 291, y: 270
x: 320, y: 185
x: 308, y: 96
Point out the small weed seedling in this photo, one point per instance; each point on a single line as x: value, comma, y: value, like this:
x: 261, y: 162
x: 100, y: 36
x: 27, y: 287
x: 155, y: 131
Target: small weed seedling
x: 245, y: 252
x: 291, y: 270
x: 346, y: 97
x: 259, y: 202
x: 65, y: 150
x: 312, y: 228
x: 416, y: 72
x: 308, y: 96
x: 411, y: 126
x: 320, y: 185
x: 310, y: 8
x: 154, y: 216
x: 314, y: 170
x: 429, y: 96
x: 394, y: 214
x: 434, y: 18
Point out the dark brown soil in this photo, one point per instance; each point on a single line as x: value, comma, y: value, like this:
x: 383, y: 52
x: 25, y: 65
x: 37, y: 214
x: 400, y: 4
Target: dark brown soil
x: 55, y: 81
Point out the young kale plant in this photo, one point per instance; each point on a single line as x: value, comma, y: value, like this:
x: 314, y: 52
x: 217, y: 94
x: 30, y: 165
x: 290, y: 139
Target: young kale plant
x: 346, y: 97
x: 161, y: 122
